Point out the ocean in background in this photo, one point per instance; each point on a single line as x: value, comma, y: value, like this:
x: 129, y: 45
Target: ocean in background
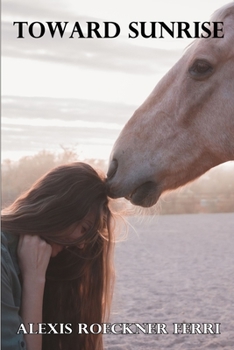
x: 33, y: 124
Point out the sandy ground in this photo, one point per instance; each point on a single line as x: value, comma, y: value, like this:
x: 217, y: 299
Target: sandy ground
x: 175, y: 269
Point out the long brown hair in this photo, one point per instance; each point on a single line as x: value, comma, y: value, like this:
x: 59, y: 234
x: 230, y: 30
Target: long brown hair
x: 79, y: 281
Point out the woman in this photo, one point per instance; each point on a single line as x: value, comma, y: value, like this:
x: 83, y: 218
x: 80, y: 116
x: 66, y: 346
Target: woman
x: 57, y: 247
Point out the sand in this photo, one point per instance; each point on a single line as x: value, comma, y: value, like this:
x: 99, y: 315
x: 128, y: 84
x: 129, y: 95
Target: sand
x: 175, y: 269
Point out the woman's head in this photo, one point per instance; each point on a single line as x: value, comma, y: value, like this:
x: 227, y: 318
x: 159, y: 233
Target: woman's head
x: 67, y: 205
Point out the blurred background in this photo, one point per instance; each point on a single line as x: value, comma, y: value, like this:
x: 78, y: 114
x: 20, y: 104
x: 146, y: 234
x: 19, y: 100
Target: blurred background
x: 68, y: 99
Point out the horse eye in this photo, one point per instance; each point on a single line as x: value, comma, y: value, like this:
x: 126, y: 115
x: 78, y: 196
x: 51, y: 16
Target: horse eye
x: 200, y: 69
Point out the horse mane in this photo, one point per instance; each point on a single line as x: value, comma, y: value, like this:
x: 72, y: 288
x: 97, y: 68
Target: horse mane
x: 223, y: 12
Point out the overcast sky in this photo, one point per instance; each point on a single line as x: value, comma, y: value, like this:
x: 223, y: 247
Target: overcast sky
x: 121, y: 69
x: 47, y: 83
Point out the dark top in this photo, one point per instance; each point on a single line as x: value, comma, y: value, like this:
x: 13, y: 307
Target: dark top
x: 11, y: 295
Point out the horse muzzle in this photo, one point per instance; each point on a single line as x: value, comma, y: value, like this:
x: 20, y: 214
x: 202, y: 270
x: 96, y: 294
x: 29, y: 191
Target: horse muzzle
x: 145, y: 195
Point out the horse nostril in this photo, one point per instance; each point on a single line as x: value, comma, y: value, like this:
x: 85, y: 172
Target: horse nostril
x: 112, y: 168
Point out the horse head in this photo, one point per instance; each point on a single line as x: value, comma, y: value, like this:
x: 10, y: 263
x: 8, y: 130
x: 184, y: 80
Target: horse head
x: 186, y: 125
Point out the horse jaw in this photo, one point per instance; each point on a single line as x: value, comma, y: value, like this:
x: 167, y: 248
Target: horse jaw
x: 142, y: 176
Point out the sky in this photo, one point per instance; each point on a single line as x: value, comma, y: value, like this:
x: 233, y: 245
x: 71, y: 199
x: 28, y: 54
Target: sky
x: 120, y: 71
x: 55, y: 68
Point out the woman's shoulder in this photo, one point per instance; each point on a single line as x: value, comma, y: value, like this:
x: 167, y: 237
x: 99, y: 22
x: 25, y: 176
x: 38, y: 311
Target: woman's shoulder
x: 4, y: 244
x: 9, y: 245
x: 3, y: 239
x: 5, y: 254
x: 8, y: 239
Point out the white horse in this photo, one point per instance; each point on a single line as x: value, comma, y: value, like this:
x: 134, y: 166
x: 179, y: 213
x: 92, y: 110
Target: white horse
x: 186, y: 125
